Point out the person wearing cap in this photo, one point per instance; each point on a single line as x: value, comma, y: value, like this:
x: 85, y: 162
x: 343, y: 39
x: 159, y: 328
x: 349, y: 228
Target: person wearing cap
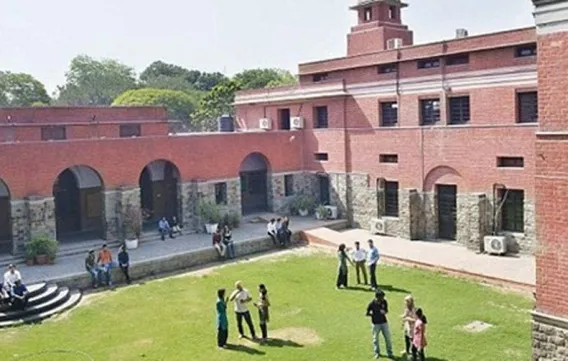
x: 10, y: 278
x: 91, y: 267
x: 241, y: 296
x: 105, y: 263
x: 378, y: 309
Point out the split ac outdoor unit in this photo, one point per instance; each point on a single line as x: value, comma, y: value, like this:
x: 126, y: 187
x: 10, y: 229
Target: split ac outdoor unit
x: 265, y: 123
x: 331, y: 212
x: 378, y: 226
x: 297, y: 123
x: 495, y: 244
x: 394, y: 43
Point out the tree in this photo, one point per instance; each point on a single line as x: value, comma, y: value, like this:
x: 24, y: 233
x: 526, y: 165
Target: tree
x: 20, y: 89
x: 180, y: 105
x: 170, y: 76
x: 261, y: 78
x: 94, y: 82
x: 217, y: 102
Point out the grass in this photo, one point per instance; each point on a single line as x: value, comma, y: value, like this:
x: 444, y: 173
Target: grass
x: 173, y: 319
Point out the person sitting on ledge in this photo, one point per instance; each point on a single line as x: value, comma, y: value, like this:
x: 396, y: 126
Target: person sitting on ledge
x: 4, y: 296
x: 105, y: 264
x: 19, y: 296
x: 271, y: 230
x: 176, y: 227
x: 92, y: 269
x: 10, y: 278
x: 217, y: 242
x: 164, y: 228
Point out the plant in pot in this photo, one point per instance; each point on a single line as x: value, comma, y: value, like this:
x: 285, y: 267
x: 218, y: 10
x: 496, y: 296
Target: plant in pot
x: 42, y: 248
x: 210, y: 215
x: 132, y: 226
x: 303, y: 204
x: 321, y: 212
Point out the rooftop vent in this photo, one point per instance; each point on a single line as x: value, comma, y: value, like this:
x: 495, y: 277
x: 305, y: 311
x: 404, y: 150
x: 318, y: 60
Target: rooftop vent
x: 461, y: 33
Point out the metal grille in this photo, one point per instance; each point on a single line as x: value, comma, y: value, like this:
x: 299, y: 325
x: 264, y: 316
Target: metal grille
x: 389, y: 114
x: 430, y: 111
x: 527, y: 107
x: 512, y: 213
x: 391, y: 199
x: 459, y: 110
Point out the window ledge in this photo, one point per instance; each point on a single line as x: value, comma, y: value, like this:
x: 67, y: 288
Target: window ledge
x: 513, y: 234
x: 390, y: 218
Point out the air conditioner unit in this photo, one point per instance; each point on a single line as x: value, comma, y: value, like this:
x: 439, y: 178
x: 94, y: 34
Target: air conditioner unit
x: 331, y: 212
x: 297, y: 123
x: 394, y: 43
x: 495, y: 244
x: 378, y: 226
x: 265, y: 123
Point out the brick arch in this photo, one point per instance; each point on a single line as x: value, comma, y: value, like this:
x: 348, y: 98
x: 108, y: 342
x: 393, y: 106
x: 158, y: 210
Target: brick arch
x: 87, y: 176
x: 157, y: 167
x: 441, y: 175
x: 4, y: 189
x: 159, y: 183
x: 255, y: 162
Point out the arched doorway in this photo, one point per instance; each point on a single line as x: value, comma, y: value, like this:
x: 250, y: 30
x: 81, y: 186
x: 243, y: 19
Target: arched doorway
x: 78, y: 196
x: 5, y: 219
x: 159, y: 191
x: 254, y: 183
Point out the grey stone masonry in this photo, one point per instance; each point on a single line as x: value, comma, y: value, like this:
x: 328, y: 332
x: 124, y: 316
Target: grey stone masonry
x: 429, y: 223
x: 410, y: 214
x: 364, y: 205
x: 206, y: 193
x: 20, y: 225
x: 41, y: 216
x: 303, y: 183
x: 550, y: 338
x: 338, y: 193
x: 126, y: 197
x: 111, y: 219
x: 472, y: 221
x: 188, y: 212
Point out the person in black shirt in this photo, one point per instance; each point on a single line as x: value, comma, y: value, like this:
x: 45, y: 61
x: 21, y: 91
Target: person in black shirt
x: 377, y: 310
x: 124, y: 262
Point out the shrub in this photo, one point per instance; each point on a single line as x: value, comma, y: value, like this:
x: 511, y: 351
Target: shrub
x: 304, y: 202
x: 209, y: 213
x: 132, y: 223
x: 42, y: 245
x: 321, y: 211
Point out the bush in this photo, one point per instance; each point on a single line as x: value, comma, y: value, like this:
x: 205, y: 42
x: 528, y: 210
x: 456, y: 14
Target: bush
x: 132, y: 223
x: 41, y: 246
x: 209, y: 213
x: 302, y: 201
x: 321, y: 211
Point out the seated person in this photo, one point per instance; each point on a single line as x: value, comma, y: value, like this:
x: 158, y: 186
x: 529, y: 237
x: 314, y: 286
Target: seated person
x: 217, y: 242
x: 10, y: 277
x: 4, y: 296
x: 176, y: 227
x: 271, y: 230
x: 164, y: 228
x: 19, y: 296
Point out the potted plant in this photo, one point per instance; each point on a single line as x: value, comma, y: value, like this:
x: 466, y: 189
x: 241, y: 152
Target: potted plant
x: 321, y: 212
x: 132, y: 226
x: 30, y: 254
x: 42, y: 248
x: 234, y: 219
x: 210, y: 215
x: 303, y: 204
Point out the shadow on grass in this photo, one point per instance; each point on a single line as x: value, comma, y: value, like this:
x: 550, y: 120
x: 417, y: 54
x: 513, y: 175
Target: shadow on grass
x: 275, y: 342
x: 245, y: 349
x: 385, y: 288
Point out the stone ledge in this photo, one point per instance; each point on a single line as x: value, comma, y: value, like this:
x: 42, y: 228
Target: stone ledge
x: 550, y: 320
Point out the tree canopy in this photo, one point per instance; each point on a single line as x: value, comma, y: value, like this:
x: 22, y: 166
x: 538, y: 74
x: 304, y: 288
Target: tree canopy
x: 262, y: 78
x: 20, y: 89
x: 160, y: 74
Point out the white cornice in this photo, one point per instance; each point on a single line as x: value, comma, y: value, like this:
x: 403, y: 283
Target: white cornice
x: 551, y: 17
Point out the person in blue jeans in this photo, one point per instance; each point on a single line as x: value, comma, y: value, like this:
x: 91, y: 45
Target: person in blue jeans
x: 92, y: 269
x: 377, y: 310
x: 373, y: 259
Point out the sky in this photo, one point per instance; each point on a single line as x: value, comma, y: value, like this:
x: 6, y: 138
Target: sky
x: 41, y: 37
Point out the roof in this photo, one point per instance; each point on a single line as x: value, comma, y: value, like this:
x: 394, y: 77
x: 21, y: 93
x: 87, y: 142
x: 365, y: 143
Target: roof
x: 366, y: 3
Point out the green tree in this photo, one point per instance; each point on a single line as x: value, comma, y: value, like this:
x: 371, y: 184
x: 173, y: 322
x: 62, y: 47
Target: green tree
x: 261, y: 78
x: 94, y: 82
x: 170, y: 76
x: 20, y: 89
x: 217, y: 102
x: 180, y: 105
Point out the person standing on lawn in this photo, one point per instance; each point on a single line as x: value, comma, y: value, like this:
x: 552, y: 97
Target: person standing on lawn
x: 408, y: 321
x: 359, y: 257
x: 373, y: 259
x: 91, y: 267
x: 263, y: 315
x: 222, y: 320
x: 342, y: 271
x: 124, y: 262
x: 419, y: 342
x: 377, y: 310
x: 241, y: 296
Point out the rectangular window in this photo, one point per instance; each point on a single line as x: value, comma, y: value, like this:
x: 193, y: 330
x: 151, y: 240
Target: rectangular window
x: 429, y: 63
x: 388, y: 158
x: 284, y: 117
x: 321, y: 117
x: 392, y: 12
x: 391, y: 199
x: 389, y: 114
x: 221, y: 193
x: 525, y: 50
x: 387, y: 68
x: 510, y: 162
x: 130, y: 130
x: 288, y: 185
x: 319, y: 77
x: 459, y: 110
x: 53, y: 133
x: 430, y: 111
x: 368, y: 14
x: 459, y: 59
x: 527, y: 107
x: 321, y: 157
x: 513, y: 211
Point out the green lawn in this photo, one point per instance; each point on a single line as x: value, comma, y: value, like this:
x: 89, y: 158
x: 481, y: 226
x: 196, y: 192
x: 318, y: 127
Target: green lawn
x: 174, y: 319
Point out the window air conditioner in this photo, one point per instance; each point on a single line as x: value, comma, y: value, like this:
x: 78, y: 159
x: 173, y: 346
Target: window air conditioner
x: 331, y: 212
x: 297, y: 123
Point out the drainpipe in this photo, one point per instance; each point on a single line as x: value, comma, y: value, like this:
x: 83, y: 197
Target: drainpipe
x: 347, y: 158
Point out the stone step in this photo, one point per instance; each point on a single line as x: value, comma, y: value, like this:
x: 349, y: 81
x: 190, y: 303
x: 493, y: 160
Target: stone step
x: 61, y: 297
x: 37, y: 289
x: 74, y: 297
x: 49, y: 293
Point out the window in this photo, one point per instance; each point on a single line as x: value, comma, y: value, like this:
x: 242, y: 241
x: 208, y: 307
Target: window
x: 368, y: 14
x: 527, y: 107
x: 510, y: 162
x: 288, y: 185
x: 130, y: 130
x: 389, y: 114
x: 321, y: 157
x: 221, y: 193
x: 392, y: 12
x: 319, y: 77
x: 458, y: 59
x: 429, y: 63
x: 388, y: 158
x: 430, y: 111
x: 512, y: 212
x: 459, y: 110
x: 387, y: 68
x: 526, y: 50
x: 53, y: 133
x: 321, y: 117
x: 391, y: 199
x: 284, y: 116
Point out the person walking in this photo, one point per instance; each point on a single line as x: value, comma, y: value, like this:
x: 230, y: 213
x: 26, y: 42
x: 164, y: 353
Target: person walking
x: 222, y: 320
x: 124, y: 262
x: 263, y: 315
x: 342, y: 271
x: 359, y: 257
x: 419, y: 342
x: 241, y: 296
x: 408, y: 321
x: 378, y: 310
x: 104, y: 260
x: 373, y: 259
x: 228, y: 241
x: 91, y: 267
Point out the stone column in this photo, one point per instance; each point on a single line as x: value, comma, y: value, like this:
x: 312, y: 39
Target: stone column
x: 20, y: 226
x: 306, y: 183
x: 41, y: 216
x: 279, y: 201
x: 410, y: 214
x: 125, y: 197
x: 529, y: 243
x: 364, y: 204
x: 472, y: 222
x: 188, y: 192
x: 110, y: 216
x: 429, y: 223
x: 338, y: 193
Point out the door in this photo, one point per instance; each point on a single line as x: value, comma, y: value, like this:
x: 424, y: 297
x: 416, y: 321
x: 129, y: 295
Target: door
x: 447, y: 209
x: 67, y: 203
x: 284, y: 115
x: 5, y: 227
x: 254, y: 197
x: 324, y: 190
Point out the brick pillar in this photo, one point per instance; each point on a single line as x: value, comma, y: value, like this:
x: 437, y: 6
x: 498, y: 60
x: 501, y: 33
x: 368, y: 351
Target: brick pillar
x: 550, y: 319
x: 472, y: 222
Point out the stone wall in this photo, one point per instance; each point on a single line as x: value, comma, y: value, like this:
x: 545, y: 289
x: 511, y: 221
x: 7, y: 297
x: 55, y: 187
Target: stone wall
x: 111, y: 225
x: 206, y: 193
x: 410, y: 214
x: 429, y: 223
x: 472, y: 221
x: 550, y: 338
x: 20, y: 225
x: 304, y: 183
x: 41, y: 216
x: 126, y: 197
x: 188, y: 205
x: 339, y: 196
x: 365, y: 201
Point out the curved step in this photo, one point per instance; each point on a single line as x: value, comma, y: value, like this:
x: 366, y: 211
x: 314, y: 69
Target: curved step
x: 49, y: 293
x: 61, y: 297
x: 36, y: 289
x: 73, y: 300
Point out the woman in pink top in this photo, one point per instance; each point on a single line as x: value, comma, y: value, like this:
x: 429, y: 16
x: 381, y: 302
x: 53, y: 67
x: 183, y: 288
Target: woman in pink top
x: 419, y: 337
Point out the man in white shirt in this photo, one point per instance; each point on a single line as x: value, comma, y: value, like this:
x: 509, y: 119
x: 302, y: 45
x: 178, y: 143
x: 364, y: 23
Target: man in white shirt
x: 271, y: 230
x: 359, y: 257
x: 241, y: 296
x: 10, y: 277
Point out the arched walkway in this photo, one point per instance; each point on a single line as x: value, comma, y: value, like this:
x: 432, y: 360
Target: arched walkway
x: 5, y: 219
x: 255, y: 184
x: 79, y: 200
x: 159, y: 182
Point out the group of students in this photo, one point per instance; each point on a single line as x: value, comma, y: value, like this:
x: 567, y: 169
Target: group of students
x: 223, y: 242
x: 13, y: 293
x: 170, y: 228
x: 361, y: 260
x: 102, y: 265
x: 241, y: 297
x: 279, y: 231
